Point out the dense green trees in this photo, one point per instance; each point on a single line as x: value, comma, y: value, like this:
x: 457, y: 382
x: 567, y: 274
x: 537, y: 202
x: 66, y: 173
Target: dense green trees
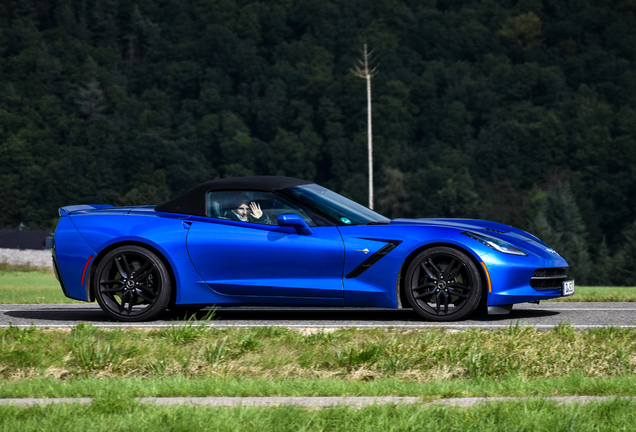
x: 521, y: 112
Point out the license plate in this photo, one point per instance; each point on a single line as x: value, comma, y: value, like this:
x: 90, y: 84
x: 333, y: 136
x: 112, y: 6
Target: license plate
x: 568, y: 288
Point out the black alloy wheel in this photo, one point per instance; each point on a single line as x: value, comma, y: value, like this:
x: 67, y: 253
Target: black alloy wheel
x: 132, y: 284
x: 443, y: 284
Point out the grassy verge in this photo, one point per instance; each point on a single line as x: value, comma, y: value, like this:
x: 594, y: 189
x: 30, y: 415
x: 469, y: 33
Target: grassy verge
x: 575, y: 384
x: 29, y: 285
x: 601, y: 294
x: 114, y: 366
x: 115, y: 414
x: 194, y: 351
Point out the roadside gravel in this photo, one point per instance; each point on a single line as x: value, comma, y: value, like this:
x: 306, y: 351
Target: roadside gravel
x: 36, y: 258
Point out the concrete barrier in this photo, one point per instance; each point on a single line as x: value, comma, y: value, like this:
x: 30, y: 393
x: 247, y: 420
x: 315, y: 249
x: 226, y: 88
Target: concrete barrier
x: 35, y: 258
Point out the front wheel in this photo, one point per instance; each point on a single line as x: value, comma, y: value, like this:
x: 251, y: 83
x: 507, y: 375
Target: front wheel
x: 132, y: 284
x: 443, y: 284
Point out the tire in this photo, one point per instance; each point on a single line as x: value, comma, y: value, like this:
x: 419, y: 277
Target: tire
x: 443, y: 284
x: 141, y: 296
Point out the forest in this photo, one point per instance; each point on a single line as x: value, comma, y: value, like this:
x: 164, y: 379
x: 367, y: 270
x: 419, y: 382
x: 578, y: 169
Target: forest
x: 522, y: 112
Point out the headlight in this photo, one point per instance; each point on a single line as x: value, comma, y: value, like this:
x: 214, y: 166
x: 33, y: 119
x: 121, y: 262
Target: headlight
x: 495, y: 243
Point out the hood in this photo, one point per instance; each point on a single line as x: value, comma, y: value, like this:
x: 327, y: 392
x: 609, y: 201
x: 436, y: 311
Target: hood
x: 495, y: 229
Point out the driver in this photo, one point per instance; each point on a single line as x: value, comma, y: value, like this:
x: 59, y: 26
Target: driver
x: 245, y: 210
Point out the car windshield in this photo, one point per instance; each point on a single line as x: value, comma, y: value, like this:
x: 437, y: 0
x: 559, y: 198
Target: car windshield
x: 342, y: 209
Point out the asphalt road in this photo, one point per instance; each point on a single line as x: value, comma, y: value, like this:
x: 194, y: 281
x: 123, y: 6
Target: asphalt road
x: 545, y: 315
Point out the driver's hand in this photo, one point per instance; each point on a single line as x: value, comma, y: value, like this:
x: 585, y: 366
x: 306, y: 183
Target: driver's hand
x: 256, y: 210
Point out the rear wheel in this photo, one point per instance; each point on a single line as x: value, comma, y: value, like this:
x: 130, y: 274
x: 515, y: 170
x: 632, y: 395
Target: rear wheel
x: 443, y: 284
x: 132, y: 284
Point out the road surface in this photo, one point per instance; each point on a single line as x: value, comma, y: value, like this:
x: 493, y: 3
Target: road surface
x: 545, y: 315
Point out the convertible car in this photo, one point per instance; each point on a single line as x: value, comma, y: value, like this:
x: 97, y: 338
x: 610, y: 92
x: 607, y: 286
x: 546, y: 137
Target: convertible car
x: 280, y: 241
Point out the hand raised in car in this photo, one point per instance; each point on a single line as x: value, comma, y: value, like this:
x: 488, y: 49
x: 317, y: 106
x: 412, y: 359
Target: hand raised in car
x: 256, y: 210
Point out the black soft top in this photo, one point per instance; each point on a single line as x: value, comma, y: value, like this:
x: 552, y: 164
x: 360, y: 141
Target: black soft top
x: 194, y: 201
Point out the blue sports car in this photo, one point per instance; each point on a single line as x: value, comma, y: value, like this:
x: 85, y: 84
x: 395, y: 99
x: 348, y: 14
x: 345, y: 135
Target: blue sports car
x: 280, y: 241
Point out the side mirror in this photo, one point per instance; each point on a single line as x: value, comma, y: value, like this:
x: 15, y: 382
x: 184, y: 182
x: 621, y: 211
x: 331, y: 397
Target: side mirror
x: 293, y: 220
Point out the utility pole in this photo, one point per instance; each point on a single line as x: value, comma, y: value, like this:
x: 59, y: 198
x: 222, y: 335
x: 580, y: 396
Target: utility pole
x: 367, y: 74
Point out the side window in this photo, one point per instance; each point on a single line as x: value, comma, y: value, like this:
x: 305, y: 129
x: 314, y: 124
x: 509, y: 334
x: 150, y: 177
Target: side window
x: 251, y: 206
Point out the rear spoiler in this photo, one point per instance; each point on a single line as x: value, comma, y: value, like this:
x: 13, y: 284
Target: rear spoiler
x: 65, y: 211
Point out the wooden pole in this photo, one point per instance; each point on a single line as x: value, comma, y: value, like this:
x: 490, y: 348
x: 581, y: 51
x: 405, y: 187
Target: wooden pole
x: 367, y: 74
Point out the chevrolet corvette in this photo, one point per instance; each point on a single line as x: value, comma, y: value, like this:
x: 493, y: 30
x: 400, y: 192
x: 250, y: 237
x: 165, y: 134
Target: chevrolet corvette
x: 280, y: 241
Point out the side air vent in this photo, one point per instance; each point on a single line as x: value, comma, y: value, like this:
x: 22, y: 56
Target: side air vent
x: 548, y: 278
x: 366, y: 264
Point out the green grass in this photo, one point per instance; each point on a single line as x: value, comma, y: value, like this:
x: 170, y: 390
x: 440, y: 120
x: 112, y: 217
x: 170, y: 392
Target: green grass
x: 601, y: 294
x: 180, y: 385
x: 115, y: 413
x: 423, y: 355
x: 28, y: 285
x: 114, y: 366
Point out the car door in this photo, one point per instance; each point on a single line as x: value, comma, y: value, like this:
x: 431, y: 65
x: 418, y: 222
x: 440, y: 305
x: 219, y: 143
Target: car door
x: 243, y: 258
